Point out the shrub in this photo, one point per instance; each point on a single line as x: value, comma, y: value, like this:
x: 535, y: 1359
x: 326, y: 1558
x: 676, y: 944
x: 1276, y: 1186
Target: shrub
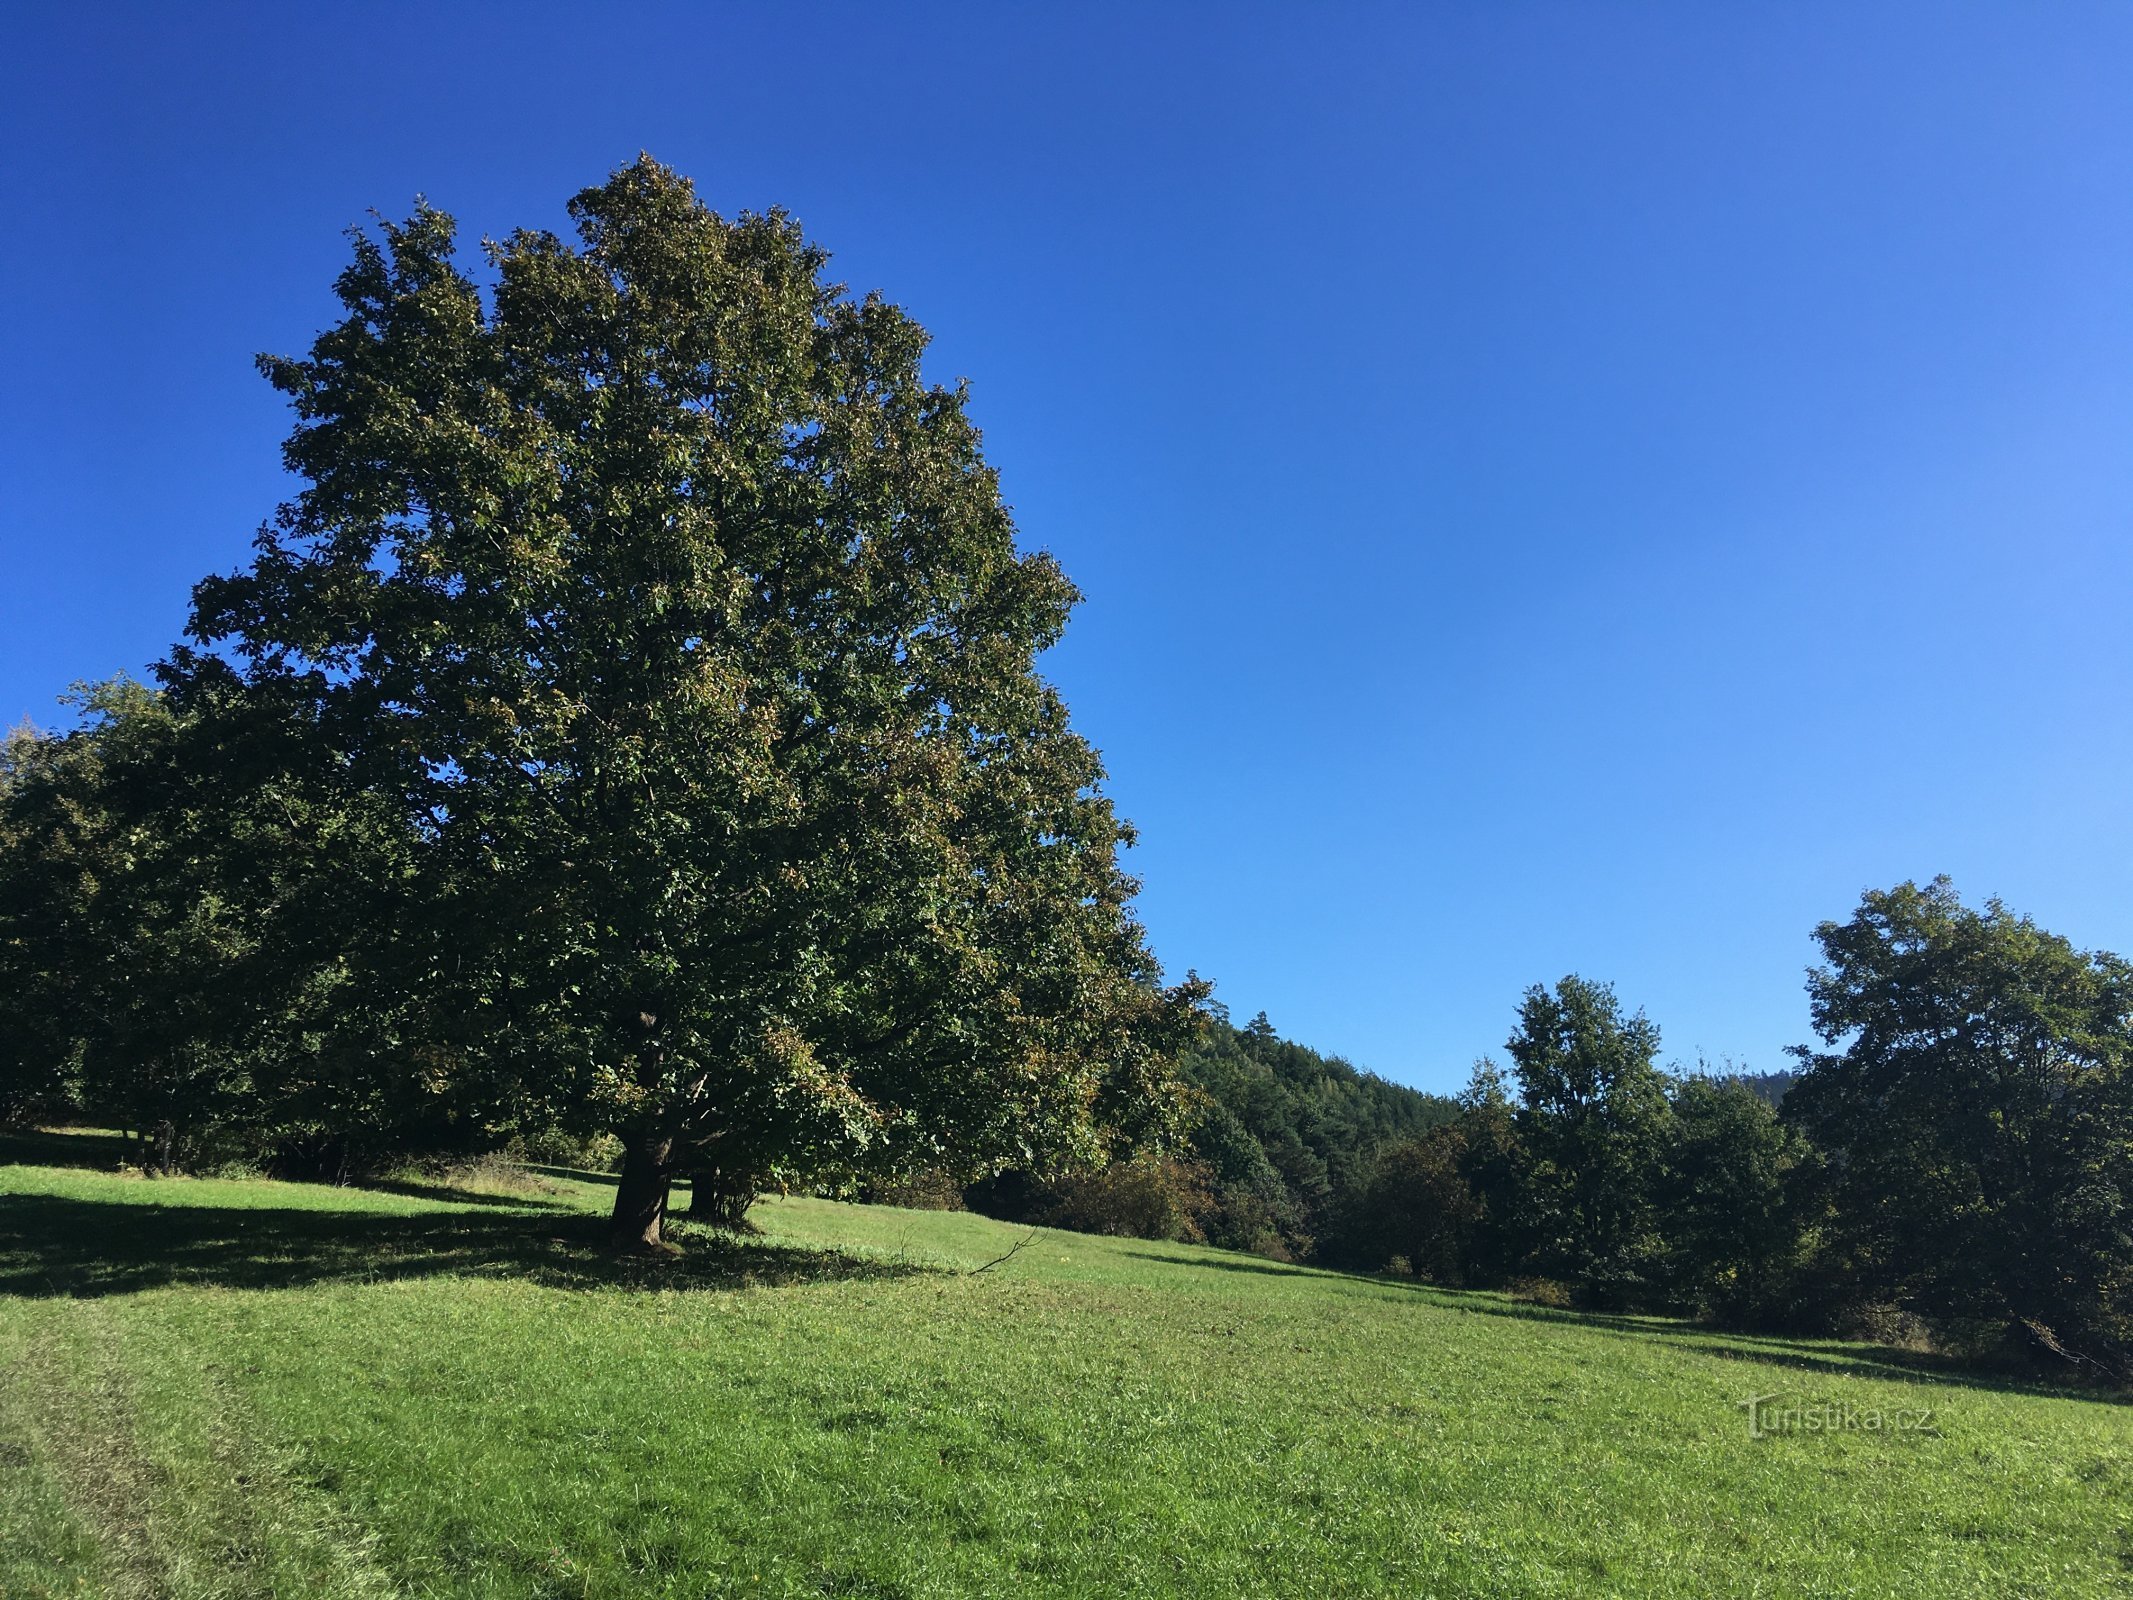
x: 593, y: 1152
x: 1143, y: 1199
x: 493, y: 1174
x: 1412, y: 1204
x: 1548, y: 1292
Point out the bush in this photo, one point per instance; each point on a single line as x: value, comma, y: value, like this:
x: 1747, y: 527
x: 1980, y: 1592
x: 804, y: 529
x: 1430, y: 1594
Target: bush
x: 1242, y: 1218
x: 593, y: 1152
x: 1144, y: 1199
x: 493, y: 1174
x: 1883, y: 1322
x: 1540, y: 1292
x: 1413, y: 1204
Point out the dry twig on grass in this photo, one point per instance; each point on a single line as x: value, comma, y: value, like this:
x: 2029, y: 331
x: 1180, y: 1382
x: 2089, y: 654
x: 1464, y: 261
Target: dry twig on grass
x: 1019, y: 1247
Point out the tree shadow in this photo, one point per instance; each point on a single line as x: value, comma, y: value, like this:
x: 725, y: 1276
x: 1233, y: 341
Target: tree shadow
x: 51, y: 1246
x: 1258, y: 1264
x: 452, y: 1194
x: 90, y: 1149
x: 1826, y: 1357
x: 543, y: 1169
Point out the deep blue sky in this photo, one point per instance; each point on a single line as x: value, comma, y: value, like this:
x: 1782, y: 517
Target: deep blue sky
x: 1558, y: 488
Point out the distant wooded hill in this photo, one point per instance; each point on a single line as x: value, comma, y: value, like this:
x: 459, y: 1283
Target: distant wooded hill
x: 1280, y: 1137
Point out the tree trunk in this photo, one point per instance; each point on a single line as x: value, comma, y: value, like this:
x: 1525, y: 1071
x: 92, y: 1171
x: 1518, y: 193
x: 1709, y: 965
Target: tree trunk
x: 722, y: 1199
x: 641, y: 1195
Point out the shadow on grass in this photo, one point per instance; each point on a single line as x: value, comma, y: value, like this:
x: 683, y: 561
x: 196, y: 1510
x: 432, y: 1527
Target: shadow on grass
x: 452, y: 1194
x: 586, y: 1175
x: 1246, y: 1263
x: 96, y: 1150
x: 1781, y: 1350
x: 53, y: 1246
x: 88, y: 1149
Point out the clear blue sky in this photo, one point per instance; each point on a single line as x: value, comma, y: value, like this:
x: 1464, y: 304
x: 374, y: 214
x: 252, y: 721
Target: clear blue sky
x: 1558, y: 488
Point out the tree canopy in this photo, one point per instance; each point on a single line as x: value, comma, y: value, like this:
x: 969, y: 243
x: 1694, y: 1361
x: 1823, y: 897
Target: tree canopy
x: 1976, y: 1101
x: 1595, y: 1124
x: 679, y: 622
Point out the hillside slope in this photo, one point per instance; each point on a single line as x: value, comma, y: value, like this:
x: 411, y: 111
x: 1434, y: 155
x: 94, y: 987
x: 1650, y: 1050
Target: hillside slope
x: 249, y: 1388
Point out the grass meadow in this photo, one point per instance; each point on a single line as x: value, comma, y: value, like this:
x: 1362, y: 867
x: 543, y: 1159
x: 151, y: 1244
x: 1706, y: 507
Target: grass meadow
x: 246, y: 1388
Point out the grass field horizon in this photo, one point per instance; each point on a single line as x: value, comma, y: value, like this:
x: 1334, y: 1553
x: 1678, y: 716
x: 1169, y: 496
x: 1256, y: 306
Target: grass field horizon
x: 238, y: 1387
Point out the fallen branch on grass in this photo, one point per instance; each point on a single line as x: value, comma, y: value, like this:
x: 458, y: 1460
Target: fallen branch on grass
x: 996, y: 1261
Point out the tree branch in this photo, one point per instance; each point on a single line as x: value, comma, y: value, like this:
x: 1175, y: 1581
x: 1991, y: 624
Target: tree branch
x: 1020, y: 1246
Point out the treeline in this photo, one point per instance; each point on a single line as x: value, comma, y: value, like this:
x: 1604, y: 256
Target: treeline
x: 1954, y: 1166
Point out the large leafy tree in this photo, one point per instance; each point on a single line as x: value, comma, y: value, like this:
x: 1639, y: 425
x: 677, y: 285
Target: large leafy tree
x: 1976, y: 1105
x: 683, y: 623
x: 1593, y: 1126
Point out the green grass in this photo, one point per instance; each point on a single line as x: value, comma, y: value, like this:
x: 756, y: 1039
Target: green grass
x: 237, y: 1388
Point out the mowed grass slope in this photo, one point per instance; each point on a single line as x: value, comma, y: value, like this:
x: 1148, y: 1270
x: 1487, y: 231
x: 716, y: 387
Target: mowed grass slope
x: 250, y: 1388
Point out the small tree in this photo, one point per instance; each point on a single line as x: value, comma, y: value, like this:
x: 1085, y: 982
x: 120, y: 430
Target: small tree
x: 1493, y: 1165
x: 173, y: 912
x: 683, y: 624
